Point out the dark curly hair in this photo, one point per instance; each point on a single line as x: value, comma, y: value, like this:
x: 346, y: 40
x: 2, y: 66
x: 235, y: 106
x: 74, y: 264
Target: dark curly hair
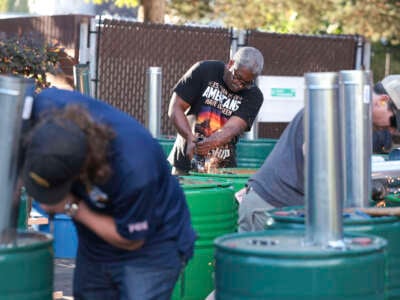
x: 97, y: 168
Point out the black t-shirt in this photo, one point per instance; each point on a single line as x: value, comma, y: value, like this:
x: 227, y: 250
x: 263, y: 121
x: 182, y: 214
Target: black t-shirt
x: 211, y: 106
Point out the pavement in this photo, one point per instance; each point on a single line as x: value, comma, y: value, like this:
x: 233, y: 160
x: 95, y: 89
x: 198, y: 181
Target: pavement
x: 63, y: 276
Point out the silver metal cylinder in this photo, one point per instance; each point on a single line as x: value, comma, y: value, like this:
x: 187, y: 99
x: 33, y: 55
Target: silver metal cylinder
x: 12, y: 93
x: 153, y: 100
x: 323, y: 160
x: 82, y: 78
x: 253, y: 133
x: 355, y: 105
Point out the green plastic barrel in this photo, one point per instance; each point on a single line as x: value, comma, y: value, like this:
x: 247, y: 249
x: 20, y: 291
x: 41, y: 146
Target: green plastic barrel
x: 387, y: 227
x: 167, y: 144
x: 214, y: 213
x: 392, y: 200
x: 277, y: 265
x: 238, y: 176
x: 26, y: 268
x: 252, y: 153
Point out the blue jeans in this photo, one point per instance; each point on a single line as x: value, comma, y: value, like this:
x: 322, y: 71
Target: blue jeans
x: 136, y: 279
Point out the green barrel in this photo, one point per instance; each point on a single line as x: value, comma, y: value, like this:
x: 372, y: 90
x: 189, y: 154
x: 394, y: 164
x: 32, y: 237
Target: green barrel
x: 277, y: 265
x: 392, y: 200
x: 26, y: 268
x: 387, y: 227
x: 214, y: 213
x: 167, y: 144
x: 23, y: 210
x: 252, y: 153
x: 238, y: 176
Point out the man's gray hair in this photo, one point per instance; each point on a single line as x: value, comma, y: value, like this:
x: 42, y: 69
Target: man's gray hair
x: 250, y: 58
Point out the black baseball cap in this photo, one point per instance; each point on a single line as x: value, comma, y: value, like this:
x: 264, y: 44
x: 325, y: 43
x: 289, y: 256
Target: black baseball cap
x: 54, y: 159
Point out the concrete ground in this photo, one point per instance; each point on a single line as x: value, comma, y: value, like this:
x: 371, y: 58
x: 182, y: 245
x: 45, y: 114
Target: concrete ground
x: 63, y: 275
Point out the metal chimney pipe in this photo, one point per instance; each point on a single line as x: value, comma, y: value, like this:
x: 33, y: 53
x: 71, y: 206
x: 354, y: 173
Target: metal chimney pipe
x: 323, y: 160
x: 82, y: 78
x: 355, y: 104
x: 12, y: 93
x: 153, y: 100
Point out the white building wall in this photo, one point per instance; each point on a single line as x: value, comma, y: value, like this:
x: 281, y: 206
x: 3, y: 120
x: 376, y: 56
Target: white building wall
x: 60, y: 7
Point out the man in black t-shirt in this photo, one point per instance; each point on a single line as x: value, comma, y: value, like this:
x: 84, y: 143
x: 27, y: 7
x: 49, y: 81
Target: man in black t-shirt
x: 212, y: 104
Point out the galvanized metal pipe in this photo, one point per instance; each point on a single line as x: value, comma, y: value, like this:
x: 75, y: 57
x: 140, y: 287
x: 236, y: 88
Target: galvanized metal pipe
x: 153, y: 100
x: 355, y: 105
x: 12, y: 93
x: 82, y: 78
x: 323, y: 160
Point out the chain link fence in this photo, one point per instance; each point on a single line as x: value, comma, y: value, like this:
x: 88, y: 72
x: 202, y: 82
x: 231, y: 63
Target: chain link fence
x: 126, y: 49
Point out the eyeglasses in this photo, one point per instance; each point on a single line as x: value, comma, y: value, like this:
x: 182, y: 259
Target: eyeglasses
x: 243, y: 83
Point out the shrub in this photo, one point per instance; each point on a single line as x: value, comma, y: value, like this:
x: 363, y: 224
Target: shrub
x: 29, y: 56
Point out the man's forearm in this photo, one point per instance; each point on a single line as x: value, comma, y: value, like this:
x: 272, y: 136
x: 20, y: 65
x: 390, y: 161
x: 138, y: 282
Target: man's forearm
x: 104, y: 226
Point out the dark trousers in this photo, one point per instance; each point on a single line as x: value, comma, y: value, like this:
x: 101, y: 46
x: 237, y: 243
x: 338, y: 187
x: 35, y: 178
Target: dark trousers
x: 127, y: 280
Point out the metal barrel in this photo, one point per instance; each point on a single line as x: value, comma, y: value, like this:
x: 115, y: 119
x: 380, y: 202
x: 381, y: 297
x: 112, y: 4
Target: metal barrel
x: 276, y: 265
x: 355, y: 105
x: 292, y: 218
x: 27, y: 268
x: 166, y: 143
x: 82, y: 78
x: 153, y: 100
x: 214, y: 213
x: 323, y: 159
x: 237, y: 176
x: 13, y: 90
x: 252, y: 153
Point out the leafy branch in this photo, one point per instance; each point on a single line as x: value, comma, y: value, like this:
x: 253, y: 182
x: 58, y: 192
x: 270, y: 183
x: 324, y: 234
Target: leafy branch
x: 31, y: 57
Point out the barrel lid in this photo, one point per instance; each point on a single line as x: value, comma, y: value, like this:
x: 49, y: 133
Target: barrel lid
x: 194, y: 182
x: 228, y: 173
x: 291, y: 243
x: 257, y: 141
x: 296, y: 215
x: 27, y: 241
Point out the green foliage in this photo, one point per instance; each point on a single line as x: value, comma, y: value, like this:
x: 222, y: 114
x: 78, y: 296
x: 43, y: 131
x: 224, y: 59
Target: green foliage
x: 29, y: 56
x: 374, y: 19
x: 379, y: 54
x: 190, y: 10
x: 20, y: 6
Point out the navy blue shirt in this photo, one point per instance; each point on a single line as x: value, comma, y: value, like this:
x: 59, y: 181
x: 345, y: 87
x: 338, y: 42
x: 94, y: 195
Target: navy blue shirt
x: 145, y: 201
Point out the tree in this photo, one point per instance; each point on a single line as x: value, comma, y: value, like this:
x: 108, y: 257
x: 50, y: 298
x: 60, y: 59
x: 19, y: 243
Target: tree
x: 19, y: 6
x: 374, y: 19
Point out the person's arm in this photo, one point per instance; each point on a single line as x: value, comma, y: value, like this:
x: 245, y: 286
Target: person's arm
x: 104, y: 226
x: 176, y: 113
x: 233, y: 127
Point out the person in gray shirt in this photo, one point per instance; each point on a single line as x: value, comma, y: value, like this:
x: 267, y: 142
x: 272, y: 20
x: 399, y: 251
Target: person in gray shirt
x: 280, y: 180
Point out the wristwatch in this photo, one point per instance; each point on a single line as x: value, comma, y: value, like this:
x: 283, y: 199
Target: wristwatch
x: 71, y: 209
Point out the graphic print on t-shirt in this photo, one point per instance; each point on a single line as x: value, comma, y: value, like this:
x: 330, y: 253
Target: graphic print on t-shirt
x: 218, y: 105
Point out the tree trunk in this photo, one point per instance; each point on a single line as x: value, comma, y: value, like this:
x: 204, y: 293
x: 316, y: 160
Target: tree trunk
x: 152, y: 11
